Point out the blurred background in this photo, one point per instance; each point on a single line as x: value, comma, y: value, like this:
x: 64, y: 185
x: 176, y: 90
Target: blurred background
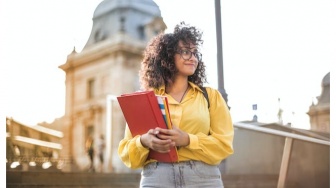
x: 63, y: 62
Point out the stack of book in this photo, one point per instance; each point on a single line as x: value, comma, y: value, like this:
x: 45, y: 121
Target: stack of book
x: 143, y: 111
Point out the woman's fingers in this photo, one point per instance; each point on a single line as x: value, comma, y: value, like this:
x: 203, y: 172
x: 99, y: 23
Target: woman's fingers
x: 162, y: 146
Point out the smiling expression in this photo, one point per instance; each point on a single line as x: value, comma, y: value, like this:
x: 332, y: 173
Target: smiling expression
x: 186, y: 67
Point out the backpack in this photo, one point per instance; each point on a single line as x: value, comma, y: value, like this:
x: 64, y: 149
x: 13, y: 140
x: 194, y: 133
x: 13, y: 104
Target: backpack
x: 205, y: 94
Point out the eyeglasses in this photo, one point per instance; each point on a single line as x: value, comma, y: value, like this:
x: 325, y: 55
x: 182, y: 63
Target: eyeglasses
x: 186, y: 54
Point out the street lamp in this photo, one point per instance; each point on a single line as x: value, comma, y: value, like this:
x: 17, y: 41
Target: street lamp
x: 220, y: 74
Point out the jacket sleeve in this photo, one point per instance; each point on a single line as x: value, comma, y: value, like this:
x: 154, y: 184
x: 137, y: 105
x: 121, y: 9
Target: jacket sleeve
x: 131, y: 151
x: 219, y: 142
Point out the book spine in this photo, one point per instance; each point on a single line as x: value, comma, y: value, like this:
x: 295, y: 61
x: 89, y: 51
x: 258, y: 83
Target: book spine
x: 163, y: 109
x: 156, y: 110
x: 162, y: 157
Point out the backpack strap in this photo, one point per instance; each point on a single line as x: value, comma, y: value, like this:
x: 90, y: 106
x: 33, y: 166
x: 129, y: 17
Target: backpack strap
x: 205, y: 94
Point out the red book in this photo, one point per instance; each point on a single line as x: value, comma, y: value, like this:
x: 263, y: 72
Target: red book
x: 142, y: 112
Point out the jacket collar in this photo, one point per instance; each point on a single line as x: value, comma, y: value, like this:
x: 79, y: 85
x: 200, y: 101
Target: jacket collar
x: 162, y: 90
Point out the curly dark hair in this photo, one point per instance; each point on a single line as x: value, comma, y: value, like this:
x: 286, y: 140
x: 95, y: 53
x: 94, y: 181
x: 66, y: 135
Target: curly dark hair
x: 158, y: 67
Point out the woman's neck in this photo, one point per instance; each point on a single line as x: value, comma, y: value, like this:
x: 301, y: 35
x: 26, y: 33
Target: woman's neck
x: 177, y: 86
x: 178, y: 89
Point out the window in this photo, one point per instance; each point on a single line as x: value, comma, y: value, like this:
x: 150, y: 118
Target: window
x: 141, y: 31
x: 89, y: 130
x: 90, y: 88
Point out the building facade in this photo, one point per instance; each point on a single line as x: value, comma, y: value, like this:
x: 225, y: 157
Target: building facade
x: 107, y: 66
x: 319, y: 113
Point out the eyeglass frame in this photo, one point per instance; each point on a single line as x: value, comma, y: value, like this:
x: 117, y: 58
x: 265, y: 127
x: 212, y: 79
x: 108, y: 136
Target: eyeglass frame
x: 197, y: 54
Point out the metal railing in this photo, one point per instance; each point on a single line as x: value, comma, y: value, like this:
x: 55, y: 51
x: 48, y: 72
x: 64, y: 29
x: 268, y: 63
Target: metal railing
x: 290, y: 137
x: 44, y: 162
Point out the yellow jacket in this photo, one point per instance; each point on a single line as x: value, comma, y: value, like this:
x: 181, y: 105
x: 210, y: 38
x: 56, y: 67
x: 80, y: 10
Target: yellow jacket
x: 210, y: 129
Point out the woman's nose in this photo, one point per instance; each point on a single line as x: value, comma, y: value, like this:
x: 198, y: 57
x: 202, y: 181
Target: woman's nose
x: 193, y: 57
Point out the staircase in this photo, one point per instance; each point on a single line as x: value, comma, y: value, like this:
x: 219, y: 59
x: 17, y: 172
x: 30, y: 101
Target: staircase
x: 44, y: 179
x: 20, y: 179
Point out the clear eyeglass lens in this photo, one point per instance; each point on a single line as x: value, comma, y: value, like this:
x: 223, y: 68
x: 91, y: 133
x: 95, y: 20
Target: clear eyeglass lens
x: 186, y: 54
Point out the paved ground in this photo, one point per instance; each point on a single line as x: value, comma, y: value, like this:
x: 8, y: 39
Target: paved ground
x: 45, y: 179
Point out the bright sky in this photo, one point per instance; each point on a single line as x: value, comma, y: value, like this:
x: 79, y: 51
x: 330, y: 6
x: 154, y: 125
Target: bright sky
x: 272, y: 49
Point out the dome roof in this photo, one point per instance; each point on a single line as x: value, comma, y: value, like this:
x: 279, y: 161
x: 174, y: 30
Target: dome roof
x: 127, y: 16
x: 148, y: 6
x: 326, y: 80
x: 324, y: 98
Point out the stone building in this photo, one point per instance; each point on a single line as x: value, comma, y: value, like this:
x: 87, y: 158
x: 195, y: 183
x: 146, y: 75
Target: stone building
x: 319, y: 113
x: 108, y: 65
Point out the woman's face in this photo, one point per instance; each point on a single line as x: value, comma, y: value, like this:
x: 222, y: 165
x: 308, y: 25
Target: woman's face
x: 186, y: 59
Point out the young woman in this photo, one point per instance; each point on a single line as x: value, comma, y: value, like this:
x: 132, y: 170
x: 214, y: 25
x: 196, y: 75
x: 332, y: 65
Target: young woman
x: 173, y: 67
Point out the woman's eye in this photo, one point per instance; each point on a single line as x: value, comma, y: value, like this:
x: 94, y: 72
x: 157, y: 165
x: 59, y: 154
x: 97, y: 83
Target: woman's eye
x: 185, y: 52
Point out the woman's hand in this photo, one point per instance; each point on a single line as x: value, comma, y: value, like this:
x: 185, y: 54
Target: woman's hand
x: 152, y: 141
x: 176, y: 135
